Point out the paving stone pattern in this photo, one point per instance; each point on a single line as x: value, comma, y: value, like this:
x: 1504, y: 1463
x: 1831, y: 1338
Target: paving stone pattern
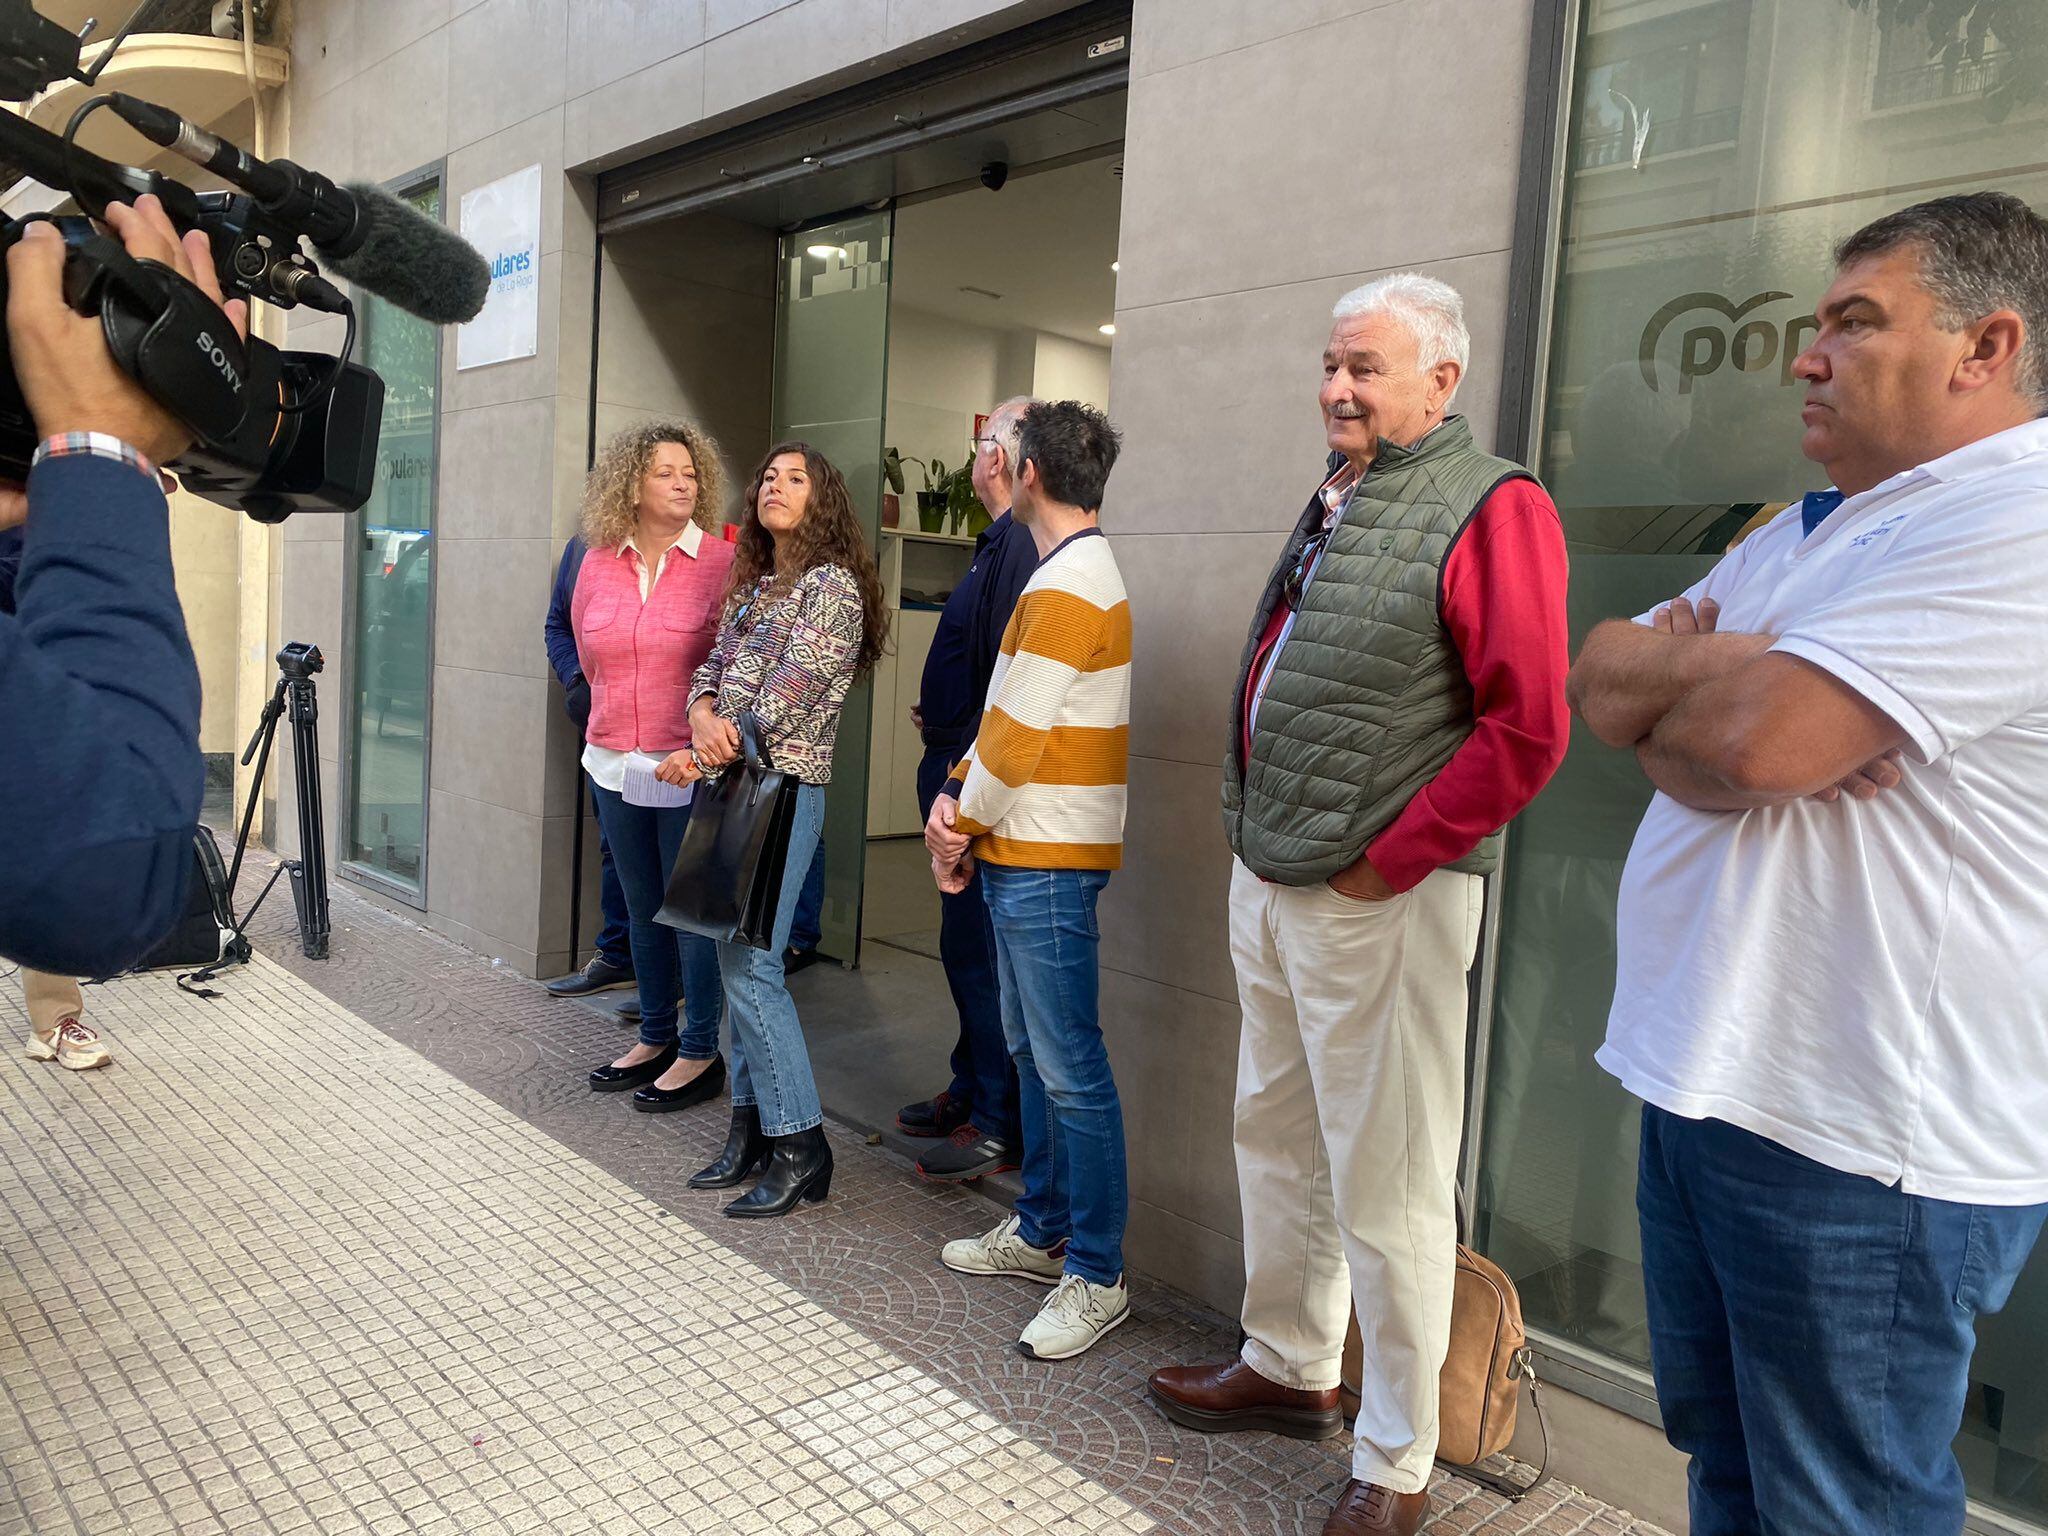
x: 352, y: 1249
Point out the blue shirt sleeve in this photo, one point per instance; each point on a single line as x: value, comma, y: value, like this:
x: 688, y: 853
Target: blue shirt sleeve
x: 10, y: 566
x: 561, y: 638
x: 99, y: 725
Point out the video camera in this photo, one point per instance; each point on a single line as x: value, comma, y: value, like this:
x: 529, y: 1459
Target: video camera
x: 275, y: 432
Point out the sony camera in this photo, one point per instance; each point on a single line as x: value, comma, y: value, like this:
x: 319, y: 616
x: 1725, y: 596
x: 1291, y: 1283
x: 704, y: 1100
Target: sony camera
x: 275, y: 432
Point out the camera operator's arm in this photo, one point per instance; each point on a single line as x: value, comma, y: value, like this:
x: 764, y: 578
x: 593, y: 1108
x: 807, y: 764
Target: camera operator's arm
x: 99, y: 694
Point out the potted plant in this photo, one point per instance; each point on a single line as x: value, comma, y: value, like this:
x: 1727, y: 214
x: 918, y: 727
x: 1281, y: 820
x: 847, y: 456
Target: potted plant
x: 968, y: 514
x: 931, y: 501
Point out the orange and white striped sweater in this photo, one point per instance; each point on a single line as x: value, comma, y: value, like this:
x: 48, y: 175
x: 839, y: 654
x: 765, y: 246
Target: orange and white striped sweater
x: 1043, y: 786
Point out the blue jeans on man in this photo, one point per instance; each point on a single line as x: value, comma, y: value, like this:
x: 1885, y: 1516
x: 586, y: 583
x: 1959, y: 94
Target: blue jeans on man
x: 671, y: 967
x: 984, y: 1076
x: 615, y: 938
x: 1075, y: 1185
x: 1811, y: 1332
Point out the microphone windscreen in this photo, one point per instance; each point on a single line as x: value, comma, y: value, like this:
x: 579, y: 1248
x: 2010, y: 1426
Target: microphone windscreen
x: 422, y: 266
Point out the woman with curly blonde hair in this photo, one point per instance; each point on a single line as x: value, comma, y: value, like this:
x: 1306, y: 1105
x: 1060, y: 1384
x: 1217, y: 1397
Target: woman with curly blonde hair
x: 803, y: 619
x: 645, y: 612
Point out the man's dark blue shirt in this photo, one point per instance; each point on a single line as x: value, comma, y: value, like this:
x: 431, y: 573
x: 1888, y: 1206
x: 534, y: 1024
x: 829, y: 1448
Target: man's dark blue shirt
x: 970, y: 633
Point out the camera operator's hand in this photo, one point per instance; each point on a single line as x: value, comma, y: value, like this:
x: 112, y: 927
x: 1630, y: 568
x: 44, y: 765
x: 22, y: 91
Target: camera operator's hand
x: 69, y: 379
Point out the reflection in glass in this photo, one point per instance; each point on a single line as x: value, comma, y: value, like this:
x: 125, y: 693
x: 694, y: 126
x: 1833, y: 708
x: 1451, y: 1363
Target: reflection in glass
x: 394, y: 549
x: 1718, y: 150
x: 831, y: 382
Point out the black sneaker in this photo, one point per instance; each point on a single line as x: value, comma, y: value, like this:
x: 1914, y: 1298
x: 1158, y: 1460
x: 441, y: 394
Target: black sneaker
x: 940, y: 1115
x: 966, y: 1154
x: 601, y: 975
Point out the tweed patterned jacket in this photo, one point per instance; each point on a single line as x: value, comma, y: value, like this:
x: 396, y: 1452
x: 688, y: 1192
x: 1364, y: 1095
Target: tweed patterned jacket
x: 789, y: 657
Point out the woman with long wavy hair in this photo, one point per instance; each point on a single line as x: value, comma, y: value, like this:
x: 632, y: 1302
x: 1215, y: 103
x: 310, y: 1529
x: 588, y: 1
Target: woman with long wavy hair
x: 804, y: 617
x: 644, y: 614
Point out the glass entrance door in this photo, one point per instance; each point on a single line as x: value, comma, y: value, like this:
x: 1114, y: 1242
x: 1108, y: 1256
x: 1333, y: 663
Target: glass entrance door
x: 831, y: 384
x: 390, y: 663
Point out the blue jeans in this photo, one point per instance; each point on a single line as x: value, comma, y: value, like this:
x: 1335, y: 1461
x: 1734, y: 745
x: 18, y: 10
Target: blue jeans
x: 1811, y: 1332
x: 615, y: 938
x: 670, y: 966
x: 1074, y: 1181
x: 773, y: 1066
x: 984, y: 1077
x: 808, y: 926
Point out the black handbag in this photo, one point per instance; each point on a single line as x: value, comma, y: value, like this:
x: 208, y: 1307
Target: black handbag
x: 729, y: 872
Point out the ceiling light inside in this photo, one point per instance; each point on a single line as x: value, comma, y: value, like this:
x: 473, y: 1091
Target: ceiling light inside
x: 1107, y: 330
x: 826, y: 252
x: 1116, y: 266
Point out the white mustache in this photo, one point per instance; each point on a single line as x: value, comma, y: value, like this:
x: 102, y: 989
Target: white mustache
x: 1347, y: 410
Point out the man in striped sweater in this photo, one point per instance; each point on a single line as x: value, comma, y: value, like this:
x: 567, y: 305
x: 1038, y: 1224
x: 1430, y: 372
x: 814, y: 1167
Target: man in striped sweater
x: 1038, y: 803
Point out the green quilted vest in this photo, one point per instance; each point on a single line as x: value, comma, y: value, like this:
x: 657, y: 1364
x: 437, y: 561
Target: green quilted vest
x: 1369, y: 699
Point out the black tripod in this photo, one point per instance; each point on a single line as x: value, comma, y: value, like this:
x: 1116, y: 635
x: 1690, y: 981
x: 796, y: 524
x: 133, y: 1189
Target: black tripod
x: 296, y: 664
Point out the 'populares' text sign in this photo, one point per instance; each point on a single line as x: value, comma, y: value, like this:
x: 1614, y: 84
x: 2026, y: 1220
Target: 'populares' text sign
x: 502, y: 220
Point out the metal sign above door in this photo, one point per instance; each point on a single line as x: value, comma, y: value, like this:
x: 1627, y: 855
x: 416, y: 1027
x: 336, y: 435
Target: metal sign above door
x: 1049, y: 91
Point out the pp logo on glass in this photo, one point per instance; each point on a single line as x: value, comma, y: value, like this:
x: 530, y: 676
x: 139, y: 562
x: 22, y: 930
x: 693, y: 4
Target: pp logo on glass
x: 1750, y: 345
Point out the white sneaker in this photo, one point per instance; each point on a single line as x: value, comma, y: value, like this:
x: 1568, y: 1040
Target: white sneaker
x: 1073, y: 1318
x: 70, y: 1045
x: 1003, y: 1251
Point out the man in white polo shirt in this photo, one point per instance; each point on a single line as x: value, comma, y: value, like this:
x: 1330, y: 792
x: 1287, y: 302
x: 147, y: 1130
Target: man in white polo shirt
x: 1833, y: 977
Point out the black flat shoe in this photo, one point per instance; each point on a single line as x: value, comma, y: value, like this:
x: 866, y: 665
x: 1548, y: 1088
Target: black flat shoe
x: 611, y: 1079
x: 801, y: 1169
x: 745, y: 1150
x: 701, y: 1089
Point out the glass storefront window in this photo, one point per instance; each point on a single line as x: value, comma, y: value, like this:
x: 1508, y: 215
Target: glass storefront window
x: 390, y: 667
x: 1717, y: 151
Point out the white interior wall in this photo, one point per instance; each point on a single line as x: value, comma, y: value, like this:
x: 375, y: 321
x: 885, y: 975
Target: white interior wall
x: 1071, y: 370
x: 942, y: 372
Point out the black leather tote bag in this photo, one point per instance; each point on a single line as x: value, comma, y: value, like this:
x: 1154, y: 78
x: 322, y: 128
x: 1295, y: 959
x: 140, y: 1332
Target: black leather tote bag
x: 729, y: 872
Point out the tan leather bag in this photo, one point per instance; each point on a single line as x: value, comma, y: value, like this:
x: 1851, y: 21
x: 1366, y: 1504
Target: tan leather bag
x: 1481, y: 1384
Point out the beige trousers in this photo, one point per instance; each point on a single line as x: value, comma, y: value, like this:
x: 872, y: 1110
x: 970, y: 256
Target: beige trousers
x: 51, y: 1000
x: 1350, y: 1109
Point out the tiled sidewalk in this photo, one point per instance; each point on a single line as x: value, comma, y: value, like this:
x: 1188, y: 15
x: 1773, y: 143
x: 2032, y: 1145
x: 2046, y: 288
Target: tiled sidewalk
x: 351, y: 1248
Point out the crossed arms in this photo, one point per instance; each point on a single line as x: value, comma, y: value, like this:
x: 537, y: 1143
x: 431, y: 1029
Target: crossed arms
x: 1720, y: 722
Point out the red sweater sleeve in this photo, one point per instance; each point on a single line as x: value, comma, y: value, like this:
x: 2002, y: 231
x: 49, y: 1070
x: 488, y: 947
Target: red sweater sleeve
x: 1504, y: 605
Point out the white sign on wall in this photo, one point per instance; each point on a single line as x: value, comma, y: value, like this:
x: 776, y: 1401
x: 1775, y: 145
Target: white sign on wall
x: 502, y: 220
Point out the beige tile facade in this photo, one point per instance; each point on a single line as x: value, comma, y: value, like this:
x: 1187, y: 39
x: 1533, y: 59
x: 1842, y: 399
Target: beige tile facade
x: 380, y: 90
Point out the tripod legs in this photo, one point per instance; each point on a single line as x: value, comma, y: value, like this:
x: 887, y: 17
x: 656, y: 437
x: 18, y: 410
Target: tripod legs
x: 308, y: 871
x: 309, y: 874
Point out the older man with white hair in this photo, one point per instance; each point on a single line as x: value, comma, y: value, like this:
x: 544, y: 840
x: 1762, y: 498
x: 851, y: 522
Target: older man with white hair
x: 1401, y: 697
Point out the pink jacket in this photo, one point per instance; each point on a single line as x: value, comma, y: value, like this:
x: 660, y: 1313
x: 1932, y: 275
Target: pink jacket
x: 639, y: 657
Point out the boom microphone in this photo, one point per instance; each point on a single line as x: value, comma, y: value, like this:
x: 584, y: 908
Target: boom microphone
x: 362, y: 232
x: 400, y: 254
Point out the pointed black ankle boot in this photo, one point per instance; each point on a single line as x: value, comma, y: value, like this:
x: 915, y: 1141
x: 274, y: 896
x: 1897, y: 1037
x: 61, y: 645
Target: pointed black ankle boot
x: 801, y: 1169
x: 745, y: 1150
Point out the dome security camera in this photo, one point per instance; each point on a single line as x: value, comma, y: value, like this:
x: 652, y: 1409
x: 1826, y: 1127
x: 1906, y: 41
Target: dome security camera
x: 994, y: 174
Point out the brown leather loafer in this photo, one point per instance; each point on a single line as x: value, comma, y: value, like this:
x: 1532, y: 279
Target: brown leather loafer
x: 1366, y: 1509
x: 1231, y: 1395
